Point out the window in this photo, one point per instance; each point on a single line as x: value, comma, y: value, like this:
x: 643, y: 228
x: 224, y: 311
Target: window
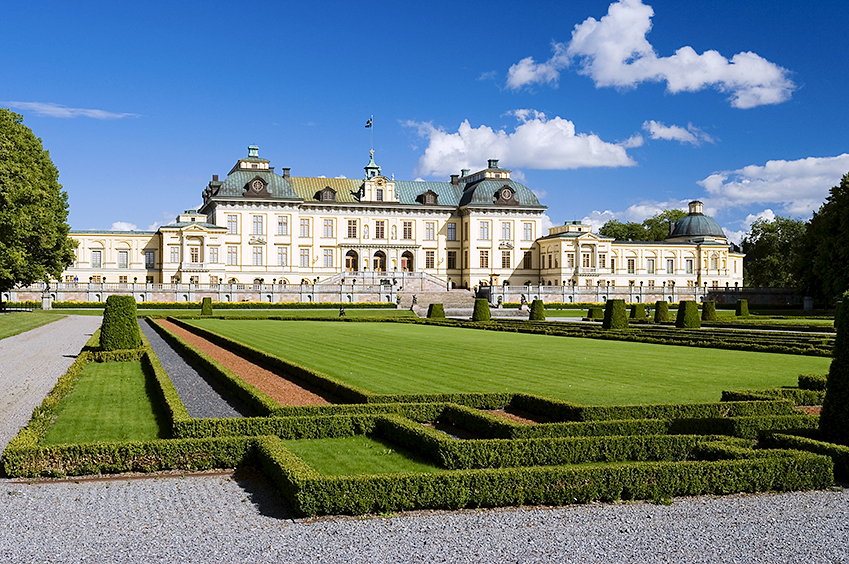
x: 528, y: 232
x: 148, y: 279
x: 232, y: 224
x: 282, y: 256
x: 352, y: 229
x: 175, y: 254
x: 213, y: 254
x: 194, y: 254
x: 328, y: 228
x: 688, y: 266
x: 378, y: 194
x: 612, y: 266
x: 122, y: 280
x: 97, y: 279
x: 527, y: 260
x: 465, y: 231
x: 257, y: 256
x: 602, y: 261
x: 506, y: 230
x: 631, y: 266
x: 452, y: 260
x: 651, y: 284
x: 505, y: 259
x: 714, y: 262
x: 484, y: 234
x: 328, y: 258
x: 484, y: 259
x: 213, y: 280
x: 123, y: 259
x: 452, y: 232
x: 430, y: 231
x: 430, y: 259
x: 407, y: 232
x: 282, y: 225
x: 465, y: 259
x: 650, y: 266
x: 379, y: 230
x: 305, y: 227
x: 670, y: 266
x: 570, y: 260
x: 549, y: 260
x: 257, y: 225
x: 148, y: 259
x: 232, y: 256
x: 193, y: 279
x: 585, y: 260
x: 305, y: 257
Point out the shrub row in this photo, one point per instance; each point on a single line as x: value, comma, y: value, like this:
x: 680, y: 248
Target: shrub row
x: 797, y: 396
x: 838, y: 453
x: 814, y: 382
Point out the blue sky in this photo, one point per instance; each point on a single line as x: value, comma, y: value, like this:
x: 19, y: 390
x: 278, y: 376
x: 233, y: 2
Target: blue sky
x: 604, y: 109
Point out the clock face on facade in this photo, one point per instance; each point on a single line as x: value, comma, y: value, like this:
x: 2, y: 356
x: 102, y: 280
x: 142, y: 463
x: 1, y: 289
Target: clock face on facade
x: 256, y: 185
x: 506, y: 194
x: 379, y: 182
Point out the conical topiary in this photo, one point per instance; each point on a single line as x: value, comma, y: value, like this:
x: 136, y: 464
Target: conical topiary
x: 481, y: 312
x: 661, y: 311
x: 120, y: 328
x: 537, y: 311
x: 709, y: 311
x: 834, y: 417
x: 688, y: 315
x: 615, y: 315
x: 435, y: 311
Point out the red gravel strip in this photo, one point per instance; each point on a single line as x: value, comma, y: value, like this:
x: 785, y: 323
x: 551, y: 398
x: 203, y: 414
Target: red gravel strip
x: 281, y: 390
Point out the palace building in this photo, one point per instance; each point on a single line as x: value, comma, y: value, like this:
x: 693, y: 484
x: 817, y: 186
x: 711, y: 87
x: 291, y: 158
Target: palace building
x: 260, y: 228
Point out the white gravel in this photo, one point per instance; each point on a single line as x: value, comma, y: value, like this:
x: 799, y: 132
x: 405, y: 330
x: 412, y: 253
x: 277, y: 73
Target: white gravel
x: 222, y: 518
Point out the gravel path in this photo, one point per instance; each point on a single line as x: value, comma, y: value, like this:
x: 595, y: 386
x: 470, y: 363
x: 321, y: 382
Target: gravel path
x: 222, y: 518
x: 32, y: 362
x: 201, y: 396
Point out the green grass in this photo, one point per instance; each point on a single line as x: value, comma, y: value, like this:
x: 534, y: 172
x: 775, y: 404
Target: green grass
x: 110, y: 402
x: 396, y: 358
x: 355, y: 455
x: 20, y: 322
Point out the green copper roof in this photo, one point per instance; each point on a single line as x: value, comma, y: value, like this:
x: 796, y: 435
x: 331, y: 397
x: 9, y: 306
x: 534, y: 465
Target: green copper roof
x: 306, y: 188
x: 483, y: 193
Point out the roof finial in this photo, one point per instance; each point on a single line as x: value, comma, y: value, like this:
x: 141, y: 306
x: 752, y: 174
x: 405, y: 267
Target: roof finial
x: 253, y: 150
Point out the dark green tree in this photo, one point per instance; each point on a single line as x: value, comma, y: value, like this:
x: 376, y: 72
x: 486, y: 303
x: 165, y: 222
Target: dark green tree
x: 120, y: 328
x: 822, y: 267
x: 537, y: 312
x: 834, y: 417
x: 34, y: 242
x: 688, y: 315
x: 661, y: 311
x: 481, y: 311
x: 655, y: 228
x: 615, y: 315
x: 709, y: 311
x: 771, y: 248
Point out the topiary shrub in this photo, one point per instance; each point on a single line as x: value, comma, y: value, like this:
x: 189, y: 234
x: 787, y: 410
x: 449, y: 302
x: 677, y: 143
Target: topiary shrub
x: 834, y: 417
x: 709, y: 311
x: 638, y: 311
x: 615, y: 315
x: 742, y: 308
x: 481, y: 312
x: 661, y: 311
x: 206, y: 307
x: 120, y: 329
x: 595, y: 313
x: 537, y: 311
x: 688, y: 315
x: 435, y: 311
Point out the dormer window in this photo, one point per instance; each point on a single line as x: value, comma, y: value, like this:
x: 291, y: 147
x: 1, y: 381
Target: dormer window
x: 327, y: 194
x: 429, y: 198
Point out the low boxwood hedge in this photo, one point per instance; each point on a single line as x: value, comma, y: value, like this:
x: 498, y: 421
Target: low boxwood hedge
x: 435, y: 311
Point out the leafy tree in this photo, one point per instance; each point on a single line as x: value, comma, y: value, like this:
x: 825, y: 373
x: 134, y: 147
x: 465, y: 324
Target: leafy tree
x: 771, y: 248
x: 822, y: 261
x: 655, y: 228
x: 34, y: 242
x: 834, y: 418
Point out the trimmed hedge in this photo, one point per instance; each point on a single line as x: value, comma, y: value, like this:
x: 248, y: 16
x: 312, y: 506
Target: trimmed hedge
x: 816, y: 382
x: 741, y: 308
x: 615, y: 316
x: 435, y: 311
x: 206, y: 306
x: 688, y: 315
x: 709, y: 310
x: 120, y: 328
x: 537, y: 311
x: 839, y: 454
x: 481, y: 312
x: 595, y: 313
x: 661, y: 311
x: 638, y: 311
x: 796, y: 395
x: 834, y: 417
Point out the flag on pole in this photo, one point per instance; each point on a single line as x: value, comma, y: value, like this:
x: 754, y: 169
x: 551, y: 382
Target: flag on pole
x: 368, y: 123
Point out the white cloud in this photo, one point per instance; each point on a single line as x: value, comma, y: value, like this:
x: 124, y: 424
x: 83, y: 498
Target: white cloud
x: 546, y: 224
x: 49, y: 109
x: 123, y: 226
x: 614, y: 51
x: 519, y: 177
x: 798, y: 187
x: 691, y: 134
x: 636, y: 212
x: 489, y: 75
x: 635, y: 140
x: 167, y: 218
x: 537, y: 142
x: 540, y: 194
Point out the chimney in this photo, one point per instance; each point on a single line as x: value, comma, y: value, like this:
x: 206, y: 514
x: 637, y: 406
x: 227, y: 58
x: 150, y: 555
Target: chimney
x: 215, y: 178
x: 455, y: 179
x: 464, y: 172
x: 286, y: 173
x: 492, y: 163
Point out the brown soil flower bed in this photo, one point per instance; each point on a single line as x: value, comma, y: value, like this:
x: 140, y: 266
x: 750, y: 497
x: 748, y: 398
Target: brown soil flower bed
x: 281, y: 390
x: 517, y: 416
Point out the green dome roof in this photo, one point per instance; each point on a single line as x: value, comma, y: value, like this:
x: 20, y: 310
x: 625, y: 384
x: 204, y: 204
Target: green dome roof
x: 696, y: 224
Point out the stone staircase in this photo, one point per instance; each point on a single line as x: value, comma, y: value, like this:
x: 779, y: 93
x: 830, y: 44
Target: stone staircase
x: 450, y: 299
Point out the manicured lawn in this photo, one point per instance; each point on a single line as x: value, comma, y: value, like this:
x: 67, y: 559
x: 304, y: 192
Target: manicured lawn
x: 350, y: 456
x: 110, y: 402
x: 396, y: 358
x: 19, y: 322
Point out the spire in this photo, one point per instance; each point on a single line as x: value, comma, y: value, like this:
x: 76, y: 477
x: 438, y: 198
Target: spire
x: 371, y: 168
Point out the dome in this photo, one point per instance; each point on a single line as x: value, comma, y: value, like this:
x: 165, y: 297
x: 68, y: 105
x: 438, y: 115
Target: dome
x: 696, y: 225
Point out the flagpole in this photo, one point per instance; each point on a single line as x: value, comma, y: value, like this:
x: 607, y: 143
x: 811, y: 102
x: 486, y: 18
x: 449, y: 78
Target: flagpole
x: 371, y: 121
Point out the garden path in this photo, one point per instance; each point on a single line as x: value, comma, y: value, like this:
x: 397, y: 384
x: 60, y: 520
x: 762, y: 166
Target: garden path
x: 32, y: 362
